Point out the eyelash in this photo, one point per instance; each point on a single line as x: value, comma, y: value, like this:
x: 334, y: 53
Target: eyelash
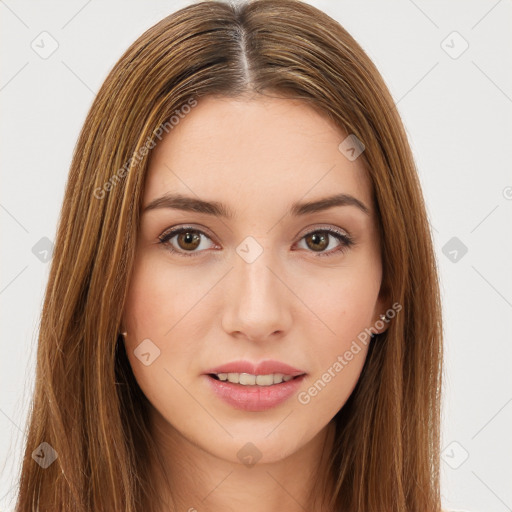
x: 346, y: 241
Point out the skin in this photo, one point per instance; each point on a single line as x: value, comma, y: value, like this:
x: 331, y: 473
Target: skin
x: 257, y: 155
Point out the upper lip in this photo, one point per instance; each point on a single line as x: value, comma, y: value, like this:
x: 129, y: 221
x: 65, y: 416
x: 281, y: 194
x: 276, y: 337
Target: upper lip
x: 263, y: 368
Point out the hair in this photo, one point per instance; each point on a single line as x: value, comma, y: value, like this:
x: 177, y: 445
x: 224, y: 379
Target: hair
x: 87, y: 404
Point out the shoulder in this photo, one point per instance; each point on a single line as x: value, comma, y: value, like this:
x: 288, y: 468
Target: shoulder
x: 453, y: 510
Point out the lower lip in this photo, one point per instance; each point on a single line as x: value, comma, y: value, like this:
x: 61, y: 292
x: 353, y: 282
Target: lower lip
x: 254, y: 398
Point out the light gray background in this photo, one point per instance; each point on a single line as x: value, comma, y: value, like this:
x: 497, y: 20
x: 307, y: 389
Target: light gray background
x: 456, y: 112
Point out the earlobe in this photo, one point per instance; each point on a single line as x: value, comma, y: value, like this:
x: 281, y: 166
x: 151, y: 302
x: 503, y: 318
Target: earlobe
x: 381, y: 311
x: 382, y: 324
x: 383, y: 304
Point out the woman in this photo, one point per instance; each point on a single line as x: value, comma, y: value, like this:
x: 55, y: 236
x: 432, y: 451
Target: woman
x: 243, y: 306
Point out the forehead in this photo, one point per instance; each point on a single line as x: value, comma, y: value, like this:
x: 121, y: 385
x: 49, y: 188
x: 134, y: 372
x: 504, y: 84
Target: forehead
x: 261, y: 152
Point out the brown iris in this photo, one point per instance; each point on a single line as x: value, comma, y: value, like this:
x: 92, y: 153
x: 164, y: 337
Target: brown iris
x: 320, y: 240
x: 189, y: 240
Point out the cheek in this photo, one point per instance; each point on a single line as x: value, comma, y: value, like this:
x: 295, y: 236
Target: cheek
x: 144, y: 319
x: 345, y: 307
x: 344, y: 301
x: 160, y: 317
x: 338, y: 358
x: 159, y: 297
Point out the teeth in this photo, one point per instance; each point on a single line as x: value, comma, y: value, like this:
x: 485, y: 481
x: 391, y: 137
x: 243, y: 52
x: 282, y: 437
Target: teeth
x: 247, y: 379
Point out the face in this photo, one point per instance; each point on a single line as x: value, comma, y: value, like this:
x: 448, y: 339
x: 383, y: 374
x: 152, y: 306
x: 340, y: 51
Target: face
x: 246, y: 316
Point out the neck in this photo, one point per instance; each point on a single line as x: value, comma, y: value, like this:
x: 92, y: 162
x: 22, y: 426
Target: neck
x: 193, y: 479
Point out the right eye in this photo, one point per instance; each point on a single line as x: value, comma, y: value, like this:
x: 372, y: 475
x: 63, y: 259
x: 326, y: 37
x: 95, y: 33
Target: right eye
x: 188, y: 239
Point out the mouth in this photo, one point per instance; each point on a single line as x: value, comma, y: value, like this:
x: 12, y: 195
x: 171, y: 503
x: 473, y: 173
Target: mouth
x: 248, y: 379
x: 254, y: 387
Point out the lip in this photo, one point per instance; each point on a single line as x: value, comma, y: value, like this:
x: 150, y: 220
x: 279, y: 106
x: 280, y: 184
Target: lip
x: 255, y: 398
x: 263, y: 368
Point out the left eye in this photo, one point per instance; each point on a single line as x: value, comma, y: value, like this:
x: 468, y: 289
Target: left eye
x: 189, y: 241
x: 319, y: 242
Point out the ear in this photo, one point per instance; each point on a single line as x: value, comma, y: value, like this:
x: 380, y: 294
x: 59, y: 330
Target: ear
x: 122, y: 327
x: 381, y: 313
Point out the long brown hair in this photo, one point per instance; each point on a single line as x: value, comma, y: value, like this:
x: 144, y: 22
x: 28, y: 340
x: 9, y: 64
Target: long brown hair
x: 87, y: 405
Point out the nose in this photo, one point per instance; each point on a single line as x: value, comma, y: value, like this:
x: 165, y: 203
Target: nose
x: 257, y: 303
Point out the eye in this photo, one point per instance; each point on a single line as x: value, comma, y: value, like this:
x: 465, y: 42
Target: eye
x: 191, y: 241
x: 188, y: 239
x: 318, y: 241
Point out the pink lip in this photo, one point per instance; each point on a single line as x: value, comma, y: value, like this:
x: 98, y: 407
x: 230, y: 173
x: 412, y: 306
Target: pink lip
x: 255, y: 398
x: 264, y: 368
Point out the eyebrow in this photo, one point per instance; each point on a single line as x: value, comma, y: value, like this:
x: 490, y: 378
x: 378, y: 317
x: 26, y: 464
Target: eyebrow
x: 192, y: 204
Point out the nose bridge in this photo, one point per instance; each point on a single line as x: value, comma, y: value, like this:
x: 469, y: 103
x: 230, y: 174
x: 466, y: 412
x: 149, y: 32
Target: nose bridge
x: 255, y: 302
